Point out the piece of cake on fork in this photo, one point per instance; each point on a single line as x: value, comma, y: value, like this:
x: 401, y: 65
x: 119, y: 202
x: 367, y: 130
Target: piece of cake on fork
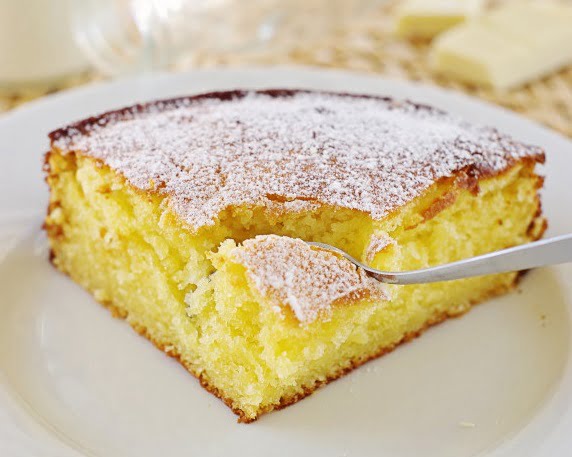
x: 185, y: 217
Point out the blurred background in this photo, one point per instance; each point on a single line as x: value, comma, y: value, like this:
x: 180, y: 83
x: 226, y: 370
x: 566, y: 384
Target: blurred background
x: 514, y: 53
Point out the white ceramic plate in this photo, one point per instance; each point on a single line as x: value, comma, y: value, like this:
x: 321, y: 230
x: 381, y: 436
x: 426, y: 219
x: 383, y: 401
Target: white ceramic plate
x: 74, y: 381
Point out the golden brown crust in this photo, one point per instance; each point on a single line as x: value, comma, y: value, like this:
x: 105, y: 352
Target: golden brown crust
x: 439, y: 205
x: 465, y: 179
x: 469, y: 179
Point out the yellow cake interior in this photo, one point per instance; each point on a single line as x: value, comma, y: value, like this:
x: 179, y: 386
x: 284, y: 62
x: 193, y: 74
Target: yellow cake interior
x: 185, y: 291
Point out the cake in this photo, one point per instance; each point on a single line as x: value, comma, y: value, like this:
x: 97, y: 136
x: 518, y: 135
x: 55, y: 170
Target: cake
x: 187, y: 217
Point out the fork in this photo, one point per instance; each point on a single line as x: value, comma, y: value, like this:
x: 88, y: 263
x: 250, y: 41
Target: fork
x: 550, y: 251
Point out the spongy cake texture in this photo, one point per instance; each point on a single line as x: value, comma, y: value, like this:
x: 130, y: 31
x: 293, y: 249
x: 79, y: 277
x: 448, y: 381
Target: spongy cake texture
x: 150, y: 207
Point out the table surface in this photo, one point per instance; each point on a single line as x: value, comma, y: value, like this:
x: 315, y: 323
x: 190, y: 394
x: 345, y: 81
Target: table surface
x: 367, y: 44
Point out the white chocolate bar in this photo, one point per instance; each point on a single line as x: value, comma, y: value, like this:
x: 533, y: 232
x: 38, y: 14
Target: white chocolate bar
x: 508, y: 46
x: 427, y: 18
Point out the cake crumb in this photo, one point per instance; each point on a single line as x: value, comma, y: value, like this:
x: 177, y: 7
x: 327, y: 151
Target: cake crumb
x: 466, y: 424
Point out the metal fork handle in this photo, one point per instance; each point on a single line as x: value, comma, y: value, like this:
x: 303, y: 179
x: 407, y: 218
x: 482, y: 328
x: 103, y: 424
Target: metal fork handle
x: 550, y: 251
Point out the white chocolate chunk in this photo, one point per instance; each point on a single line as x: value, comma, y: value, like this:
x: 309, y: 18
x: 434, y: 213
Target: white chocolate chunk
x: 508, y: 46
x: 427, y: 18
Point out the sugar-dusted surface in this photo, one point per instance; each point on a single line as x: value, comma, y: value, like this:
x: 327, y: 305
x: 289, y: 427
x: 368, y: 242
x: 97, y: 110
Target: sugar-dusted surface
x: 212, y: 152
x: 378, y: 243
x: 310, y: 280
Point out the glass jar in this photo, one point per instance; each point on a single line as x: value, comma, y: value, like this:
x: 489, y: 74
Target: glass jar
x: 37, y: 45
x: 127, y: 36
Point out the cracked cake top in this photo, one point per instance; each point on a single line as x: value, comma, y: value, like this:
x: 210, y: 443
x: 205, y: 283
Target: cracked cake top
x: 214, y: 151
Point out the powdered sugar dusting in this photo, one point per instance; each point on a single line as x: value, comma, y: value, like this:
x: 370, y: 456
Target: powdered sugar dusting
x: 247, y: 148
x: 377, y: 243
x: 308, y: 279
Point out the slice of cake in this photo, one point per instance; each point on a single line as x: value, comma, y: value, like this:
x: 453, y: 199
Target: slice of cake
x: 185, y: 217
